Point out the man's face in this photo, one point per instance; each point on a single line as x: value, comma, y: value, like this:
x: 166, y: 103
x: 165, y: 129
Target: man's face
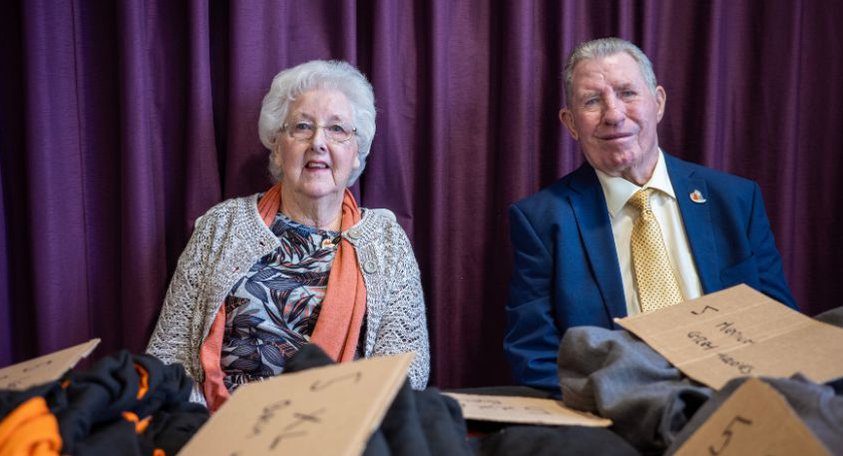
x: 613, y: 115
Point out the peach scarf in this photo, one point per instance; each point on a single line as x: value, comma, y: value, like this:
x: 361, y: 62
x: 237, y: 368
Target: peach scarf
x: 337, y: 330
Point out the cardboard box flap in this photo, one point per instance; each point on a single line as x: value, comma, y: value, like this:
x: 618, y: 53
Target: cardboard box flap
x: 44, y: 369
x: 326, y: 410
x: 754, y: 420
x: 528, y: 410
x: 740, y: 332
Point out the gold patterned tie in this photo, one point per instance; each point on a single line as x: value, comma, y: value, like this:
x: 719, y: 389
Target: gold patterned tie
x: 657, y: 285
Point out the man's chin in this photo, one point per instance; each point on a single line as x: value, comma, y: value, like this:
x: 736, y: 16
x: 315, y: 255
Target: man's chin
x: 624, y: 159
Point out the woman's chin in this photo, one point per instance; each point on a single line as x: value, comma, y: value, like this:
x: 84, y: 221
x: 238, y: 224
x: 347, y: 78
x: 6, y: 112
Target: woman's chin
x: 319, y: 191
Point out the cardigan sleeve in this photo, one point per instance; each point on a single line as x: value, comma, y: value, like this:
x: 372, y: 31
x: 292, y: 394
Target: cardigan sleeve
x: 402, y: 326
x: 173, y: 339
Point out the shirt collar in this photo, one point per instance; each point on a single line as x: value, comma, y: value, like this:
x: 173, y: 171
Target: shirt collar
x: 618, y: 190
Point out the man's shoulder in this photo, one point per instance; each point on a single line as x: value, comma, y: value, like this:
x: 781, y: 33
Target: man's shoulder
x: 681, y: 168
x: 571, y: 183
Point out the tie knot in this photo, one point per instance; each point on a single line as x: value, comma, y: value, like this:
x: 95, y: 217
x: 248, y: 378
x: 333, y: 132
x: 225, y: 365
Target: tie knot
x: 641, y: 200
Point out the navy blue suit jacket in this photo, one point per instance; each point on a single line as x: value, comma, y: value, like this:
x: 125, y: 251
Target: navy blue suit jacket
x: 566, y: 269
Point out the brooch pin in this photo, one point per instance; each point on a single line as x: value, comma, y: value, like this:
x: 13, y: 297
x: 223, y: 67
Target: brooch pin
x: 697, y: 197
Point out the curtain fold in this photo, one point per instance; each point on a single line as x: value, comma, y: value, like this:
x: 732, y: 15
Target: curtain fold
x: 54, y: 162
x: 121, y: 122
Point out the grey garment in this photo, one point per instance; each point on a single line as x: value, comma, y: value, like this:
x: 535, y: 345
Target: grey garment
x: 832, y: 316
x: 817, y: 405
x: 232, y: 236
x: 617, y: 376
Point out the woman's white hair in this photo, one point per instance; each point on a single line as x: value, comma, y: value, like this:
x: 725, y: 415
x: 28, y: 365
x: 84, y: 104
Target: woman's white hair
x: 319, y: 74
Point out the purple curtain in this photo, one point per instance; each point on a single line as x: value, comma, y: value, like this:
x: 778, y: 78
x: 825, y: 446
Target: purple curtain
x: 121, y: 122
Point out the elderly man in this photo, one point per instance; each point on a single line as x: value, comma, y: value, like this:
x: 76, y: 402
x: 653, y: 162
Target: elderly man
x: 632, y: 230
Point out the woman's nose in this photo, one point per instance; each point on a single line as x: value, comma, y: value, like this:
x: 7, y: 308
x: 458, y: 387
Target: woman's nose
x: 319, y: 141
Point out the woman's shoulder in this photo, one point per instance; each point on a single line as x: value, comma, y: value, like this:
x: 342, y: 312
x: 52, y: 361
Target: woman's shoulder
x: 229, y: 209
x: 376, y: 224
x: 379, y: 237
x: 381, y: 213
x: 234, y: 204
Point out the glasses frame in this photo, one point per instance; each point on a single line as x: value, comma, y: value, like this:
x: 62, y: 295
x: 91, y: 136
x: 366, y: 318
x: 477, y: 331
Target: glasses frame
x: 328, y: 134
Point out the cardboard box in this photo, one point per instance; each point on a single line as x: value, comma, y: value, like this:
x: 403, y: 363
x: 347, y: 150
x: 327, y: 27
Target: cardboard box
x: 327, y: 410
x: 527, y: 410
x: 44, y: 369
x: 740, y: 332
x: 754, y: 420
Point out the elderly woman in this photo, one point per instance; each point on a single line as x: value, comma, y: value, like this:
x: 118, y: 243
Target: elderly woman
x: 263, y: 275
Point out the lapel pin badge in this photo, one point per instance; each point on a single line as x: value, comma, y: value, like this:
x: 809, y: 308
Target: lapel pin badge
x: 697, y: 197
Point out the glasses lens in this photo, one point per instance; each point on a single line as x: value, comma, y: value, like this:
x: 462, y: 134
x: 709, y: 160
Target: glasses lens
x: 302, y: 130
x: 334, y: 132
x: 338, y: 132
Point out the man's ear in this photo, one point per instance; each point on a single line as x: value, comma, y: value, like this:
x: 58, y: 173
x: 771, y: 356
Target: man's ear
x: 567, y: 119
x: 661, y: 100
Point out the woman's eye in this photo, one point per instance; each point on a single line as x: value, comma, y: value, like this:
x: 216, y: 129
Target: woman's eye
x: 336, y: 128
x: 303, y: 126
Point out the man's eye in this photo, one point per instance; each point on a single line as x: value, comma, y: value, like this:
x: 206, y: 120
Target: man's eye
x: 591, y: 101
x: 628, y: 93
x: 336, y: 128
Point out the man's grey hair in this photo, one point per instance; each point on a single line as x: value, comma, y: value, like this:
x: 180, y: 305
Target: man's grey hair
x: 604, y: 47
x: 319, y: 74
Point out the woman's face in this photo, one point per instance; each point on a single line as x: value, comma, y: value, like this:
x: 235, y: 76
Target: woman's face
x: 319, y: 166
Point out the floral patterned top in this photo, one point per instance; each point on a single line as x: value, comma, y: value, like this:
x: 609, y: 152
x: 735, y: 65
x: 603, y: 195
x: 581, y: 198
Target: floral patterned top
x: 272, y: 310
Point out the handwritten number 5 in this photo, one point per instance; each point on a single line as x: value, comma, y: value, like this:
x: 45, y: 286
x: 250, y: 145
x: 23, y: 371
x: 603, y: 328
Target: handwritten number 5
x: 320, y: 385
x: 704, y: 309
x: 727, y: 434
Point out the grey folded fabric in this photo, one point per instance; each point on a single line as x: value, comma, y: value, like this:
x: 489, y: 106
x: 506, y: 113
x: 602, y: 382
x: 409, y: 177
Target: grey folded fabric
x: 617, y: 376
x: 832, y: 316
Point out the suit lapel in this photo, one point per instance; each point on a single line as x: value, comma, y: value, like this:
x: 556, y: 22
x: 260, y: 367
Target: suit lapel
x: 595, y: 228
x: 697, y: 220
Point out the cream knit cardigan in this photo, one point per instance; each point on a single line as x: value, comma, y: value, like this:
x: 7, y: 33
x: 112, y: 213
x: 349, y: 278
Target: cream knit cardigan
x: 231, y: 237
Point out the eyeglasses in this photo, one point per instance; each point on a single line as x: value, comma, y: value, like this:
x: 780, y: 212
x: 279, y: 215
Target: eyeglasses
x: 304, y: 131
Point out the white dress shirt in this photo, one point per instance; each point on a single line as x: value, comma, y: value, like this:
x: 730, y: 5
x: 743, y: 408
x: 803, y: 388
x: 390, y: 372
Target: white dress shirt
x: 663, y: 203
